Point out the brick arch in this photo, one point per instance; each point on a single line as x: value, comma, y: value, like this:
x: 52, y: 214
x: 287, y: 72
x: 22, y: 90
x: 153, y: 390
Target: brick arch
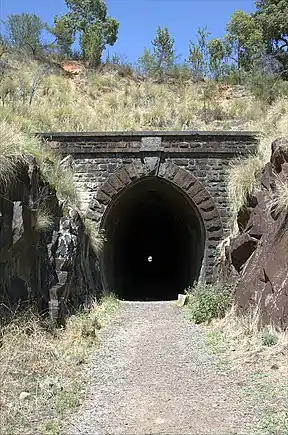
x: 183, y: 179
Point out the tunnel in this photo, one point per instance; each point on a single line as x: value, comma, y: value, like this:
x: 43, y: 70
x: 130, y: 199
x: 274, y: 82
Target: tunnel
x: 154, y: 242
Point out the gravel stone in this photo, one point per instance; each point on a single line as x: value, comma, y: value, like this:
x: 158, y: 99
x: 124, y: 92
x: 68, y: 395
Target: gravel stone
x: 152, y: 374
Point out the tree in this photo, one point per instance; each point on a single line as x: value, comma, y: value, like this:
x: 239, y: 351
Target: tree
x: 272, y: 17
x: 87, y: 19
x: 245, y: 37
x: 24, y: 32
x: 198, y: 55
x: 161, y: 59
x: 163, y: 48
x: 218, y: 53
x: 64, y: 34
x: 147, y: 63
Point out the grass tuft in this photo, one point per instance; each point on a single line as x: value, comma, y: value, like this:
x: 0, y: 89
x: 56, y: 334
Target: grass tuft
x: 44, y: 220
x: 243, y: 181
x: 279, y: 201
x: 96, y: 239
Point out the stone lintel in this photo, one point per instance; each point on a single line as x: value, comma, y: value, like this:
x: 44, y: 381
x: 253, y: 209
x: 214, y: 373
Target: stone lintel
x: 228, y: 143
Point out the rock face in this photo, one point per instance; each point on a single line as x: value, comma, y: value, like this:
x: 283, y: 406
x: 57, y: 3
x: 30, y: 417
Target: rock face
x: 258, y: 257
x: 45, y: 256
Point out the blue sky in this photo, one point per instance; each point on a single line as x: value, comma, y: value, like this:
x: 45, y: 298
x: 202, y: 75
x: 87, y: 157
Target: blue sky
x: 140, y: 18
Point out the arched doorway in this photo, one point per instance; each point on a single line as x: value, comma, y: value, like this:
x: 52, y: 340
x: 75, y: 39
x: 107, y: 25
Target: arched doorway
x: 155, y: 241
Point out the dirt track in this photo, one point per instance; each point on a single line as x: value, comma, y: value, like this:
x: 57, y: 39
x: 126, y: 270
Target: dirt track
x: 152, y: 375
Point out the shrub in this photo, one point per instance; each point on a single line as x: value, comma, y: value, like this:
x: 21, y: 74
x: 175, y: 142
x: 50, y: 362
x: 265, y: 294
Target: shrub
x: 208, y: 301
x: 24, y: 32
x: 269, y: 338
x: 267, y: 88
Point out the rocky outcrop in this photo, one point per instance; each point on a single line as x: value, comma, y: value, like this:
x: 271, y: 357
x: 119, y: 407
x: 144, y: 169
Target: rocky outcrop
x: 258, y: 257
x: 45, y: 255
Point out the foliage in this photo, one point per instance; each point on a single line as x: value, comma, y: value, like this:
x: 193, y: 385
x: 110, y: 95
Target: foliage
x: 267, y: 87
x: 24, y: 32
x: 147, y: 63
x: 279, y: 201
x: 87, y: 19
x: 207, y: 301
x: 159, y: 62
x: 16, y: 146
x: 272, y: 17
x: 198, y: 55
x: 64, y: 34
x: 259, y: 355
x: 243, y: 181
x: 218, y: 53
x: 44, y: 220
x: 269, y: 338
x: 245, y: 39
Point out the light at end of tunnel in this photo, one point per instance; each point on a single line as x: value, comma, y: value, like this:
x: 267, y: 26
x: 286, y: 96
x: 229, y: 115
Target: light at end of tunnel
x: 150, y: 259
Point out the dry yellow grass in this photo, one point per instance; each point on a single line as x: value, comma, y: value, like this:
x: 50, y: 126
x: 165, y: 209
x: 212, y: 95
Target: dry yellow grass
x: 16, y: 146
x: 97, y: 239
x: 44, y: 220
x: 40, y: 369
x: 279, y: 201
x: 259, y: 358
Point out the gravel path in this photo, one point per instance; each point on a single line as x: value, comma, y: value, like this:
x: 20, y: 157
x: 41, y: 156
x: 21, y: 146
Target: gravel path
x: 151, y: 375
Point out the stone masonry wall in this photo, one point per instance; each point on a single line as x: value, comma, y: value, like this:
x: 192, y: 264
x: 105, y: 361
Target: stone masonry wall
x: 204, y: 155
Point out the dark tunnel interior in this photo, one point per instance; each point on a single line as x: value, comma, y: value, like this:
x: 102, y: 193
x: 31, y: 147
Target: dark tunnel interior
x: 155, y: 242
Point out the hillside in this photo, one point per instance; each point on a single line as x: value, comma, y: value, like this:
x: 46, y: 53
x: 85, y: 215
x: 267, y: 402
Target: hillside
x: 40, y: 96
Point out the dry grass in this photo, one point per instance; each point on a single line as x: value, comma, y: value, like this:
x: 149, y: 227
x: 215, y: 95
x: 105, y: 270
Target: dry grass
x: 259, y: 356
x: 243, y: 181
x: 44, y: 220
x: 272, y: 121
x: 96, y: 239
x: 106, y: 101
x: 279, y: 201
x: 40, y: 369
x: 16, y: 147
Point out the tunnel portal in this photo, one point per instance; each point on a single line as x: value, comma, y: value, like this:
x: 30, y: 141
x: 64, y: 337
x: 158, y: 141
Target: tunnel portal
x: 155, y: 242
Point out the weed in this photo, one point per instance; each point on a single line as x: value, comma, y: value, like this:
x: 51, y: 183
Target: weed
x: 207, y: 301
x: 269, y: 338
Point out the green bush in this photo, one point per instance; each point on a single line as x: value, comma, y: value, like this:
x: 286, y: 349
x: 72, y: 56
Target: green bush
x: 208, y: 301
x: 268, y: 338
x: 267, y: 88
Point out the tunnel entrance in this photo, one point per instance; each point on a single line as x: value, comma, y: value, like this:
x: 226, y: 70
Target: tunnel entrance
x: 155, y: 242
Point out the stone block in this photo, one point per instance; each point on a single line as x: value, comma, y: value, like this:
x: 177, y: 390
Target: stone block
x: 182, y: 300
